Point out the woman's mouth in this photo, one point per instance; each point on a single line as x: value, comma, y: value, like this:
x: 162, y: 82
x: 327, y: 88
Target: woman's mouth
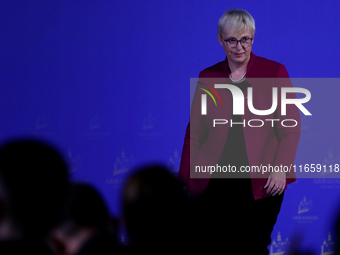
x: 238, y: 54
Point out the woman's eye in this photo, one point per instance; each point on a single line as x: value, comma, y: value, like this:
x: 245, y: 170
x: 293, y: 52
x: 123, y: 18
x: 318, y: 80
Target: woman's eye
x: 245, y: 39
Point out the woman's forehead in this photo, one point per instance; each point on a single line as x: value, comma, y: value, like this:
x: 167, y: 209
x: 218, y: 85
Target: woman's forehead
x: 236, y: 34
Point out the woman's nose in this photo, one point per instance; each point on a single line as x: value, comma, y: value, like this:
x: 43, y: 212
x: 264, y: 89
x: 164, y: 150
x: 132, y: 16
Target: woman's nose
x: 239, y: 46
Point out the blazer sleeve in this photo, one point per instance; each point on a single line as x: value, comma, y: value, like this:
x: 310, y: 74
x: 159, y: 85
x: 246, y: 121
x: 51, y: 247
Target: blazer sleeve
x: 288, y: 137
x: 196, y: 134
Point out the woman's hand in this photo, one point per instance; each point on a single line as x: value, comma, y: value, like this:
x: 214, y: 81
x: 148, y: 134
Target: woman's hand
x: 276, y: 183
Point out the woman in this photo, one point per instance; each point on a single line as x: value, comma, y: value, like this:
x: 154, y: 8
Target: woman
x: 239, y: 208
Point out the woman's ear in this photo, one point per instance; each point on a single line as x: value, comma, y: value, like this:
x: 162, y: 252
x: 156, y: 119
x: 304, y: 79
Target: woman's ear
x: 219, y: 39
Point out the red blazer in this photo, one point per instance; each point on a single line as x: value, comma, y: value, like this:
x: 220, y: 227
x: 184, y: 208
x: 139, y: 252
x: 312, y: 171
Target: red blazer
x: 264, y: 145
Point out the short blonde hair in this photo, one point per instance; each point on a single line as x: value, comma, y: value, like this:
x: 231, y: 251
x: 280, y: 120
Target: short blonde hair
x: 236, y: 20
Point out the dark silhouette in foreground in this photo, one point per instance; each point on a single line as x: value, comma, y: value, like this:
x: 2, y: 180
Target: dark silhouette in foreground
x: 84, y: 226
x: 155, y: 211
x: 33, y: 188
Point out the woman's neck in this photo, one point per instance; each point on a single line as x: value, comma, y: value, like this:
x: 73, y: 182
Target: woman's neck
x: 236, y: 71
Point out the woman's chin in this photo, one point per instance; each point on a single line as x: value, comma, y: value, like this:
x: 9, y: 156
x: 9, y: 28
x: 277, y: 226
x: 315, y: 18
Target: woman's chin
x: 239, y: 60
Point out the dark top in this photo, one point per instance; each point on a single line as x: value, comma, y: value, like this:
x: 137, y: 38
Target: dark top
x: 234, y: 155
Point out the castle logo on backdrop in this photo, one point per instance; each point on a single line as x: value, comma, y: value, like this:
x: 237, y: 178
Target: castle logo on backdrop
x: 42, y: 122
x: 148, y: 123
x: 95, y: 122
x: 96, y: 128
x: 307, y: 128
x: 329, y: 160
x: 328, y: 246
x: 75, y: 166
x: 74, y: 160
x: 174, y: 162
x: 305, y: 212
x: 330, y: 179
x: 122, y: 165
x: 305, y: 205
x: 278, y: 246
x: 43, y: 125
x: 149, y: 127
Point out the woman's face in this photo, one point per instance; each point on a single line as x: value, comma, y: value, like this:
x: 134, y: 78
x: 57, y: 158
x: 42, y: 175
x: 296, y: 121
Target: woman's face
x: 240, y: 54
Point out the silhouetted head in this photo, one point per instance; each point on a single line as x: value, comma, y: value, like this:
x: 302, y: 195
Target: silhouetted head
x: 84, y: 208
x: 34, y: 183
x: 83, y: 218
x: 153, y: 204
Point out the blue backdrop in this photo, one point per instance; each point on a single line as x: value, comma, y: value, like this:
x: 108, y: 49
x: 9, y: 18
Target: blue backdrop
x: 109, y: 83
